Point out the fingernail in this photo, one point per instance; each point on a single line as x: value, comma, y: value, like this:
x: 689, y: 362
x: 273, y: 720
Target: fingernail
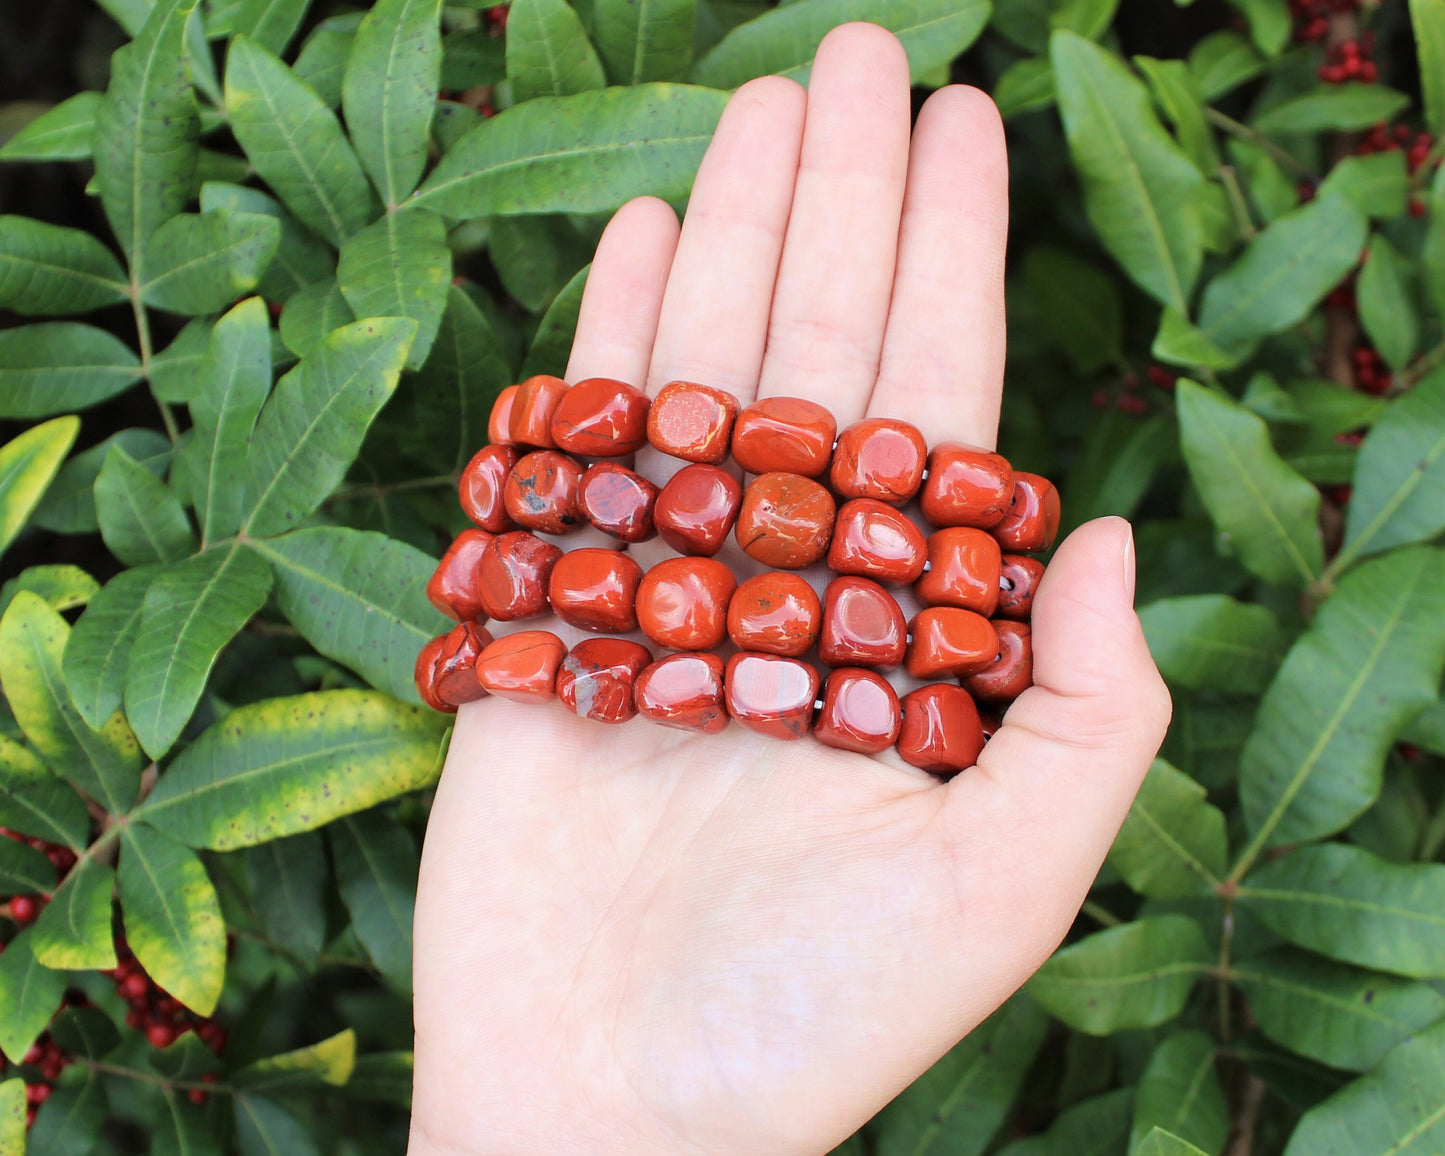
x: 1129, y: 567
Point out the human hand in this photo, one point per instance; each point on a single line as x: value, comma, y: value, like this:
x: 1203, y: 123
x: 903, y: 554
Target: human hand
x: 638, y: 940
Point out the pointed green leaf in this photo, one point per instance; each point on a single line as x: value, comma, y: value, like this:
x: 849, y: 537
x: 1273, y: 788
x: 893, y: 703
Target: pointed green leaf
x: 1177, y: 91
x: 330, y: 1062
x: 23, y: 869
x: 28, y: 464
x: 173, y: 369
x: 1027, y: 85
x: 57, y: 366
x: 382, y: 1078
x: 12, y: 1118
x: 73, y: 932
x: 323, y: 58
x: 182, y: 1129
x: 1095, y: 1127
x: 552, y: 342
x: 1162, y: 1143
x: 1428, y: 19
x: 1180, y: 1093
x: 1387, y: 304
x: 1172, y: 843
x: 1377, y: 183
x: 1223, y: 61
x: 263, y: 1129
x: 1210, y: 641
x: 84, y: 1031
x: 35, y: 802
x: 62, y: 133
x: 270, y: 23
x: 301, y: 258
x: 1338, y: 107
x: 651, y: 40
x: 548, y: 53
x: 141, y: 520
x: 29, y: 995
x: 376, y: 871
x: 201, y: 262
x: 400, y: 267
x: 72, y: 1119
x: 46, y: 269
x: 98, y: 650
x: 63, y: 586
x: 1180, y: 343
x: 288, y: 882
x: 312, y: 314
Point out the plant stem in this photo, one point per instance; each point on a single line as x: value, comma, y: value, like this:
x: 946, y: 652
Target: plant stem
x: 1230, y: 180
x: 1251, y: 1098
x: 151, y: 1078
x: 1255, y: 137
x: 1226, y: 945
x: 143, y: 337
x: 1100, y: 914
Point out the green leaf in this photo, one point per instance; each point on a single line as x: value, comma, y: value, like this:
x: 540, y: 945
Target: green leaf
x: 58, y: 366
x: 785, y: 39
x: 1140, y: 189
x: 1088, y: 18
x: 1096, y: 1127
x: 46, y: 269
x: 35, y: 802
x: 1180, y: 1093
x: 293, y: 764
x: 73, y: 932
x: 535, y: 256
x: 104, y: 763
x: 376, y: 871
x: 1333, y: 107
x: 301, y: 257
x: 471, y: 57
x: 1427, y: 17
x: 173, y: 917
x: 271, y: 23
x: 310, y: 430
x: 1351, y: 905
x: 382, y: 1077
x: 400, y: 267
x: 1180, y: 343
x: 1120, y: 458
x: 323, y: 58
x: 146, y: 131
x: 1025, y: 86
x: 173, y: 370
x: 12, y: 1118
x: 650, y: 40
x: 1223, y: 61
x: 1173, y: 842
x: 588, y: 153
x: 288, y: 880
x: 84, y: 1031
x: 201, y: 262
x: 97, y: 652
x: 24, y: 870
x: 548, y: 53
x: 1210, y: 641
x: 29, y: 995
x: 1135, y: 975
x: 295, y: 143
x: 1368, y: 664
x: 1162, y: 1143
x: 359, y: 598
x: 263, y: 1129
x: 62, y: 133
x: 312, y: 314
x: 63, y: 586
x: 1177, y: 91
x: 141, y: 520
x: 390, y: 91
x: 1329, y: 409
x: 1387, y: 305
x: 330, y: 1063
x: 28, y: 464
x: 1078, y: 305
x: 181, y: 1130
x: 1377, y: 183
x: 552, y: 342
x: 1270, y: 23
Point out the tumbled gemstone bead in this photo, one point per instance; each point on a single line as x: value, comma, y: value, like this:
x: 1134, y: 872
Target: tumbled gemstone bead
x: 596, y: 589
x: 617, y: 501
x: 513, y: 575
x: 536, y: 401
x: 682, y: 603
x: 862, y: 625
x: 425, y: 675
x: 456, y: 664
x: 879, y: 458
x: 685, y: 692
x: 947, y: 640
x: 966, y: 486
x: 1018, y: 580
x: 542, y: 492
x: 522, y: 667
x: 873, y: 540
x: 1032, y: 521
x: 776, y: 613
x: 482, y: 484
x: 692, y: 421
x: 784, y: 435
x: 597, y: 678
x: 1012, y: 671
x: 601, y: 418
x: 963, y: 570
x: 860, y: 712
x: 499, y: 422
x: 785, y: 521
x: 771, y: 694
x: 941, y: 732
x: 455, y: 585
x: 696, y: 508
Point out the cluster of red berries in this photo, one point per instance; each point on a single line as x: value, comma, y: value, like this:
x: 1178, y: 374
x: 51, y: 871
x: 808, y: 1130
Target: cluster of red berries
x: 27, y: 908
x: 46, y: 1055
x: 1417, y: 147
x: 1312, y: 17
x: 162, y: 1017
x: 1351, y: 60
x: 1130, y: 400
x: 497, y: 18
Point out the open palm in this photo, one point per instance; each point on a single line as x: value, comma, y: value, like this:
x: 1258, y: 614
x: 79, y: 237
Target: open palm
x: 638, y: 940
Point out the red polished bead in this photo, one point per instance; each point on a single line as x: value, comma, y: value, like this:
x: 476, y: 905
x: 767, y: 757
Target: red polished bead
x: 862, y: 625
x: 455, y: 679
x: 1032, y: 521
x: 601, y: 418
x: 785, y: 521
x: 776, y: 613
x: 784, y: 435
x: 454, y: 588
x: 481, y: 486
x: 617, y: 501
x: 513, y: 575
x: 963, y: 570
x: 860, y: 712
x: 876, y: 541
x: 597, y: 678
x: 594, y: 589
x: 966, y: 486
x: 523, y: 666
x: 879, y: 458
x: 947, y: 640
x: 692, y: 421
x: 425, y: 675
x: 770, y: 694
x: 696, y: 509
x: 685, y: 692
x: 536, y: 401
x: 541, y: 492
x: 682, y: 603
x: 941, y: 732
x: 1012, y: 672
x: 1019, y: 577
x: 499, y: 423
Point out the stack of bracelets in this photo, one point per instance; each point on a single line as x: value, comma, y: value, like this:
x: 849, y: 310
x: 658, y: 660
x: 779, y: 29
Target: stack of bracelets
x: 815, y: 495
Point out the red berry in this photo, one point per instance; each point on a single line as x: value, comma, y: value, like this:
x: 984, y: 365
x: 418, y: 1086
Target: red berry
x: 34, y: 1055
x: 52, y: 1068
x: 198, y: 1097
x: 160, y: 1035
x: 1417, y: 207
x: 24, y: 908
x: 133, y: 986
x: 37, y: 1093
x: 133, y: 1020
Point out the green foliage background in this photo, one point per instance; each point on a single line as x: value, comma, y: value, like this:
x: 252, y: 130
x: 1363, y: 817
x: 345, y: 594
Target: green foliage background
x: 304, y: 277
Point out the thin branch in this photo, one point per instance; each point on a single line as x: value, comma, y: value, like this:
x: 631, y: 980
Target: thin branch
x: 1255, y: 137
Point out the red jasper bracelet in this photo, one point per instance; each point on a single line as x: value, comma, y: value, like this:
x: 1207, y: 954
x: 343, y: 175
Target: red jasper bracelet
x: 816, y: 494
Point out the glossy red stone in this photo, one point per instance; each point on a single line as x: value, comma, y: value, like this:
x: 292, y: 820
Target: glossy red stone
x: 537, y: 400
x: 947, y: 640
x: 685, y: 692
x: 862, y: 625
x: 692, y: 421
x: 682, y: 603
x: 542, y: 492
x: 785, y: 521
x: 941, y: 732
x: 963, y: 570
x: 879, y: 458
x: 696, y: 508
x: 617, y: 501
x: 522, y: 667
x: 1032, y: 521
x: 481, y: 487
x: 1019, y: 577
x: 966, y: 486
x: 860, y: 712
x: 455, y: 585
x: 601, y: 418
x: 784, y: 435
x: 499, y: 422
x: 455, y: 679
x: 425, y: 674
x: 874, y: 540
x: 1012, y: 671
x: 513, y: 575
x: 594, y: 589
x: 771, y: 694
x: 775, y: 613
x: 597, y: 678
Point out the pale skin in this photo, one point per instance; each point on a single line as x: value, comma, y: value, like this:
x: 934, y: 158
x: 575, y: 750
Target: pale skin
x: 635, y: 940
